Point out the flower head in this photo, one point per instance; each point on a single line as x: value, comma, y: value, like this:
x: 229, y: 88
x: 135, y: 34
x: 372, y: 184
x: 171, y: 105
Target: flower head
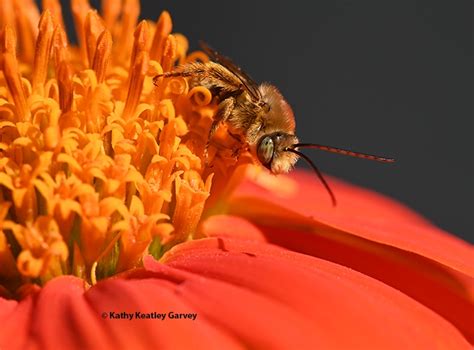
x: 98, y: 164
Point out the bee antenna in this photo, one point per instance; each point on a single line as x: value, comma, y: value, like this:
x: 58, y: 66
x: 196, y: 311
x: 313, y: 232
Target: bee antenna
x: 318, y: 173
x: 345, y: 152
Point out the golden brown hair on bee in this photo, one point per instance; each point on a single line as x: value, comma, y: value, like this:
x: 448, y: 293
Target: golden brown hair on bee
x: 253, y: 112
x: 256, y: 114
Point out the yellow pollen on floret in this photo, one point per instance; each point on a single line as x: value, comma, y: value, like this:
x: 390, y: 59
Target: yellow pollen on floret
x: 98, y: 165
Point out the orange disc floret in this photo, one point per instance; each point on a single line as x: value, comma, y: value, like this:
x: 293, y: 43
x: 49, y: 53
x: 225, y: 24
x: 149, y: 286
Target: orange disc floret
x: 100, y: 164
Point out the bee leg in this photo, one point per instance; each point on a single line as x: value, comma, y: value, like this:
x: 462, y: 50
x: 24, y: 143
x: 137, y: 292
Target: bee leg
x: 236, y: 137
x: 223, y: 112
x: 170, y: 75
x: 186, y: 72
x: 236, y: 150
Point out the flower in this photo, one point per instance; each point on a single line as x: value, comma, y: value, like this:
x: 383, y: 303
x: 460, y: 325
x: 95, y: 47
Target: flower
x: 99, y: 166
x: 370, y: 234
x: 117, y: 231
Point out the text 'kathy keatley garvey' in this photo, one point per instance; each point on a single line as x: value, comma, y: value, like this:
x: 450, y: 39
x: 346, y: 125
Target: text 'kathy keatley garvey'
x: 138, y: 315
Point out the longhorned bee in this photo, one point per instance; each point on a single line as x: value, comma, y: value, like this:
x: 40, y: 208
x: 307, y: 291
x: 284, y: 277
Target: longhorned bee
x: 258, y: 114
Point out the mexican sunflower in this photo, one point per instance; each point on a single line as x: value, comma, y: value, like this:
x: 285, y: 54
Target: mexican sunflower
x: 118, y: 231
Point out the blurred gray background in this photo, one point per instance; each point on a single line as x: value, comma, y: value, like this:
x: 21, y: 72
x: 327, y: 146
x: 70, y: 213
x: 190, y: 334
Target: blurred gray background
x: 385, y: 77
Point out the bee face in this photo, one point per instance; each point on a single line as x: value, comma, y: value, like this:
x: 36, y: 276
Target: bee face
x: 272, y: 153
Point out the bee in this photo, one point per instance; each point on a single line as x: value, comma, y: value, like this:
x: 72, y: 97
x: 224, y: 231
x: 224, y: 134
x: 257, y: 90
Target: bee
x: 255, y: 114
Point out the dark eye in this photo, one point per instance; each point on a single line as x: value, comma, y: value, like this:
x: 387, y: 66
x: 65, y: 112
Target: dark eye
x: 265, y: 150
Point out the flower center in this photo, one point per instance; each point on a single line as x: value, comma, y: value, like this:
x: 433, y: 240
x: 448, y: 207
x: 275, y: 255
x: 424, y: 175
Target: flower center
x: 98, y: 165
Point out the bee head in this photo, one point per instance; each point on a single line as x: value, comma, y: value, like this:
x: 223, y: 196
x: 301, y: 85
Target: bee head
x: 272, y: 152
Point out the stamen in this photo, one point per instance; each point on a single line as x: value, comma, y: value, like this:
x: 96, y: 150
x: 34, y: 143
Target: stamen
x: 169, y: 54
x: 102, y: 55
x: 54, y: 6
x: 94, y: 27
x: 43, y: 52
x: 140, y: 42
x: 12, y: 74
x: 8, y: 43
x: 63, y: 69
x: 110, y: 12
x: 163, y: 29
x: 27, y: 16
x: 139, y: 45
x: 182, y: 47
x: 6, y: 13
x: 64, y: 75
x: 130, y: 13
x: 80, y: 9
x: 137, y: 77
x: 60, y: 47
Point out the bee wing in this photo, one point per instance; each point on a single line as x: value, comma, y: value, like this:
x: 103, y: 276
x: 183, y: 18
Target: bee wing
x: 247, y: 82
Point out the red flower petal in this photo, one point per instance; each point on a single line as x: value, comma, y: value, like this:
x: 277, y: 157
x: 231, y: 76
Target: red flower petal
x: 230, y: 226
x: 64, y: 315
x: 246, y: 294
x: 342, y: 308
x: 371, y: 234
x: 56, y: 317
x: 14, y: 318
x: 148, y: 295
x: 359, y: 212
x: 444, y: 290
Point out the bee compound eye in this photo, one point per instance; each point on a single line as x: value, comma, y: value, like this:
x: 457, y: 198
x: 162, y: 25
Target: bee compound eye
x: 265, y: 150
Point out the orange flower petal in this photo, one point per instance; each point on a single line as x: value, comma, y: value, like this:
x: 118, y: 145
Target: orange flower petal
x: 57, y: 317
x: 258, y: 290
x: 371, y: 234
x: 244, y: 293
x: 359, y: 212
x: 64, y: 315
x: 154, y: 295
x: 231, y: 227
